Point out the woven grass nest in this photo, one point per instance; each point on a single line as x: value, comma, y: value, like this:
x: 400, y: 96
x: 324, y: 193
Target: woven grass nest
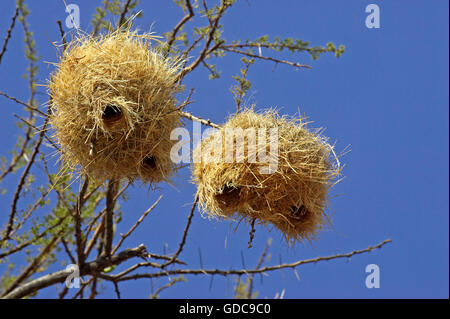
x: 113, y: 107
x: 292, y: 198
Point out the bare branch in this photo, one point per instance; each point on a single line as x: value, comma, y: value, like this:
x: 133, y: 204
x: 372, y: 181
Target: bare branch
x: 124, y: 236
x: 261, y: 57
x: 206, y: 49
x: 180, y: 24
x: 123, y: 13
x: 197, y: 119
x: 183, y: 240
x: 168, y: 285
x: 63, y: 36
x: 28, y: 106
x: 248, y: 271
x: 8, y: 33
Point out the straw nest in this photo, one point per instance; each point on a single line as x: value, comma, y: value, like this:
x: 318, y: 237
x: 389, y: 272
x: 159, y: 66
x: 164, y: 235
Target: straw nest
x: 292, y: 198
x: 113, y: 107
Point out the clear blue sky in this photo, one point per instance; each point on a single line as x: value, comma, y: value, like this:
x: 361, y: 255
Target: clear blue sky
x: 387, y: 97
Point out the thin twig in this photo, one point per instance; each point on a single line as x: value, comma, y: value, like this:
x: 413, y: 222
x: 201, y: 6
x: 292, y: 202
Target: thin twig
x: 197, y: 119
x: 22, y: 182
x: 123, y: 13
x: 248, y: 271
x: 67, y: 250
x: 28, y: 106
x: 128, y: 233
x: 180, y: 24
x: 206, y: 49
x: 183, y: 240
x: 116, y: 289
x: 258, y: 265
x: 168, y: 285
x: 261, y: 57
x: 63, y: 36
x: 36, y: 129
x: 8, y: 33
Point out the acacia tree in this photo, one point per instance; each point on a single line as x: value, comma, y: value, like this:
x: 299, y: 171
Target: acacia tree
x: 78, y: 223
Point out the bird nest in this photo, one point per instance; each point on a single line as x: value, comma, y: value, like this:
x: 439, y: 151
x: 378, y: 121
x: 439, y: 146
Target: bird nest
x: 113, y: 107
x: 292, y: 197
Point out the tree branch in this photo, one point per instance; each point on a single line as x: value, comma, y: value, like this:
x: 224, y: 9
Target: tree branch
x: 123, y: 13
x: 261, y: 57
x: 128, y: 233
x: 192, y: 117
x: 248, y: 271
x: 183, y: 240
x: 109, y: 216
x: 180, y: 24
x: 77, y: 221
x: 8, y: 33
x: 92, y: 267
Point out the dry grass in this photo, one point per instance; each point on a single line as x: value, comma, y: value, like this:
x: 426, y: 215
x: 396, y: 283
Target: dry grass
x: 113, y: 107
x: 293, y: 198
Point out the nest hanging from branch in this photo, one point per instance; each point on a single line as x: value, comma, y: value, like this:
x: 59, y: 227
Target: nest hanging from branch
x: 113, y: 107
x: 292, y: 197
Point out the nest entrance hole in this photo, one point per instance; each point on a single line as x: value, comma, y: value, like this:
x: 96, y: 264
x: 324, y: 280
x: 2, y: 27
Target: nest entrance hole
x: 228, y: 195
x: 299, y: 213
x: 111, y: 114
x: 149, y: 162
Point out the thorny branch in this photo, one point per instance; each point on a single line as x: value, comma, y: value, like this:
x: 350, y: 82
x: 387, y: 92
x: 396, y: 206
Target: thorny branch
x: 262, y: 270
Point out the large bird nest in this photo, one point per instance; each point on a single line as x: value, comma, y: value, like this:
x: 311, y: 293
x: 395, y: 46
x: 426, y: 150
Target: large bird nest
x: 292, y: 197
x: 113, y: 107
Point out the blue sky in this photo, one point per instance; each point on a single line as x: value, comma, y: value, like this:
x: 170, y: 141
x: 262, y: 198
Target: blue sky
x: 386, y: 97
